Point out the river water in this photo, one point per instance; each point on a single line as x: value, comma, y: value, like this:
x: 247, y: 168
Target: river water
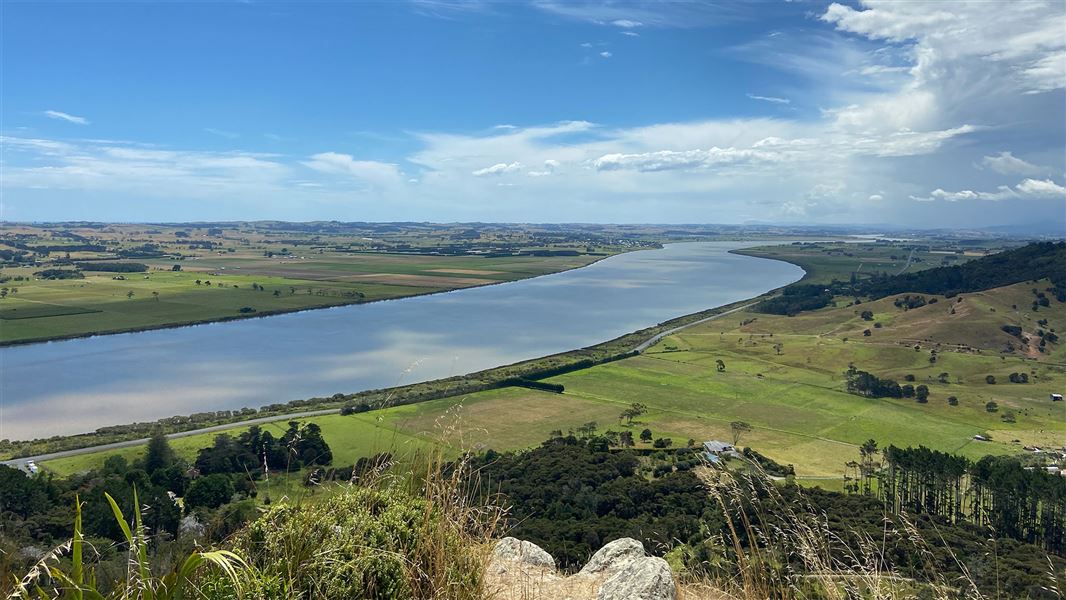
x: 73, y: 386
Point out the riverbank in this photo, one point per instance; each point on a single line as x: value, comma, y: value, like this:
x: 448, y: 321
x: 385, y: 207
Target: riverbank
x: 283, y: 283
x: 529, y: 318
x: 493, y: 378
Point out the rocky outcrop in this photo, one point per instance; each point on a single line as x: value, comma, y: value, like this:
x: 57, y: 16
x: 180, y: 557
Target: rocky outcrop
x: 619, y: 571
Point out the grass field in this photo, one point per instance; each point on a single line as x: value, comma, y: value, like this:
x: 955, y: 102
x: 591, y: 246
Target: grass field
x: 793, y: 395
x: 826, y: 261
x: 99, y: 303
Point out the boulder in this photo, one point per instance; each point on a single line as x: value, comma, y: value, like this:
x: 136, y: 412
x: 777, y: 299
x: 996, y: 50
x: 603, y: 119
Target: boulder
x: 511, y: 553
x: 613, y: 557
x: 647, y: 578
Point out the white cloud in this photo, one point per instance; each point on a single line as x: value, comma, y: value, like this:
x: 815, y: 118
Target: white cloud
x: 876, y: 198
x: 498, y: 169
x: 666, y: 160
x: 586, y: 44
x: 630, y: 33
x: 62, y: 116
x: 626, y: 23
x: 606, y: 54
x: 1007, y: 164
x: 375, y: 173
x: 774, y: 99
x: 1028, y: 188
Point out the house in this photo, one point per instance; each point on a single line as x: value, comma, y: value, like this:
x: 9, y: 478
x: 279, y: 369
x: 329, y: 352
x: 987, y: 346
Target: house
x: 1056, y: 397
x: 32, y: 467
x: 715, y: 450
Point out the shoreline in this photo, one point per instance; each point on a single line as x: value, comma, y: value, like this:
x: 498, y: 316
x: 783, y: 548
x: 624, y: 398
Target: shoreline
x: 608, y: 350
x: 283, y: 311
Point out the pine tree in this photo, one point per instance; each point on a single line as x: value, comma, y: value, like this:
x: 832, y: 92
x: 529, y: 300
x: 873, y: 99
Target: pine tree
x: 159, y: 454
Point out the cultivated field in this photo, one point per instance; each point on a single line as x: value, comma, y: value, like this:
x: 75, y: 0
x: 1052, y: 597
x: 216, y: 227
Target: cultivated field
x: 198, y: 274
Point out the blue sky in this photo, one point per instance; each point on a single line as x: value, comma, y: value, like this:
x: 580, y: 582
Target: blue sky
x: 918, y: 114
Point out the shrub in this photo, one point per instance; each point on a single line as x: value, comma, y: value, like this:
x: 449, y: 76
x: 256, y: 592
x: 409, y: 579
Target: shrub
x: 364, y: 542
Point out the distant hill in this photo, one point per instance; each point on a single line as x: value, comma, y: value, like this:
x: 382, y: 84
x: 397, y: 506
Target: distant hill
x: 1039, y: 260
x: 1031, y: 262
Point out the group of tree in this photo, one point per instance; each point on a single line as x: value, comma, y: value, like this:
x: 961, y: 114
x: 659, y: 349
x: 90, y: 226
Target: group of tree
x: 113, y: 267
x: 995, y: 492
x: 215, y: 494
x: 1038, y: 260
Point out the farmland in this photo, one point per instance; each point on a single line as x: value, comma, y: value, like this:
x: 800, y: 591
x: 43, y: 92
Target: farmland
x: 75, y: 281
x: 825, y: 261
x: 785, y: 376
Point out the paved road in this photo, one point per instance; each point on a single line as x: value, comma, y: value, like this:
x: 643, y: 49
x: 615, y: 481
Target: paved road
x: 655, y: 338
x: 20, y: 463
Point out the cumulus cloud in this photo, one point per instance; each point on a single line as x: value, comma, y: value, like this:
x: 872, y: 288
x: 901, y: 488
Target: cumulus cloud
x: 498, y: 169
x: 1007, y: 164
x: 666, y: 160
x: 606, y: 54
x: 1028, y: 188
x: 69, y: 118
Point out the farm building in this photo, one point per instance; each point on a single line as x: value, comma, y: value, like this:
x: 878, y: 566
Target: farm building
x: 1056, y: 397
x: 715, y: 450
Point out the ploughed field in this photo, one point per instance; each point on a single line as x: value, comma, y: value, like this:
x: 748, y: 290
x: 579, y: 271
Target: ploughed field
x: 785, y: 376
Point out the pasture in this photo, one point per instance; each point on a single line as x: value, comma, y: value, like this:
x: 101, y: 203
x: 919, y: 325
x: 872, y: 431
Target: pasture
x: 218, y: 288
x: 826, y: 261
x: 785, y: 376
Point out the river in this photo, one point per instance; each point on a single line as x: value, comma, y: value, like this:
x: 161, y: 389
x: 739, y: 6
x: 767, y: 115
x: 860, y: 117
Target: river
x: 73, y: 386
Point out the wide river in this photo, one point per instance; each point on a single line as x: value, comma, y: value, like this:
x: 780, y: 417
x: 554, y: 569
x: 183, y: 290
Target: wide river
x: 78, y: 385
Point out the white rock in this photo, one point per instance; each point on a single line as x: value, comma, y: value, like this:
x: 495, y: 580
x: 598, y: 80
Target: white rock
x: 514, y: 552
x: 647, y: 578
x: 613, y: 557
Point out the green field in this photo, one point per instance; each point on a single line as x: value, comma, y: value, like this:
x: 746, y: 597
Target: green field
x: 244, y: 273
x: 794, y: 396
x: 826, y: 261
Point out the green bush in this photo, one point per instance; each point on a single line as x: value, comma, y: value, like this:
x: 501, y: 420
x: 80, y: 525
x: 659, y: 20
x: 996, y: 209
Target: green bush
x: 362, y: 543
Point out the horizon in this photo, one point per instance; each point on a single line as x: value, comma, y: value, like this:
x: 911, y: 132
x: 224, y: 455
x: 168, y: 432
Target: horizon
x: 946, y: 115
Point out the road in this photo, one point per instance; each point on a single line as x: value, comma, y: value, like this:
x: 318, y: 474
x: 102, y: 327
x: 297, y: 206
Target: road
x: 655, y: 338
x: 20, y: 463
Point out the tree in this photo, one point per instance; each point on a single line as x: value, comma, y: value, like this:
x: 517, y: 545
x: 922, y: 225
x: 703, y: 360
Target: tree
x: 158, y: 455
x: 156, y: 296
x: 943, y: 377
x: 738, y: 428
x: 990, y: 379
x: 625, y: 439
x: 129, y: 295
x: 645, y: 436
x: 953, y: 401
x: 635, y: 410
x: 991, y: 406
x: 588, y: 429
x: 175, y: 268
x: 209, y: 491
x: 867, y: 315
x: 720, y: 364
x: 921, y: 393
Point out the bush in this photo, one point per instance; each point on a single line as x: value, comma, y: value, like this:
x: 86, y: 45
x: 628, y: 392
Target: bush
x: 209, y: 491
x: 364, y: 542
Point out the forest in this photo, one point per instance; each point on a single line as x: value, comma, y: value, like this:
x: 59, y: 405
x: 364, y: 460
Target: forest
x: 1034, y: 261
x: 571, y: 495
